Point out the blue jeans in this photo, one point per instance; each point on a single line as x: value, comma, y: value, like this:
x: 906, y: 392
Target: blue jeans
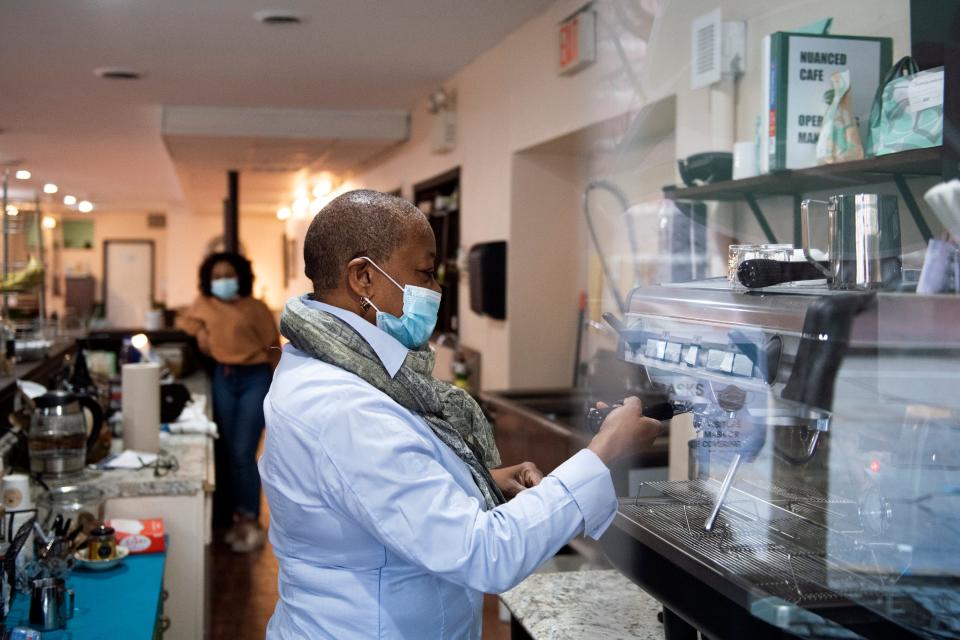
x: 238, y: 393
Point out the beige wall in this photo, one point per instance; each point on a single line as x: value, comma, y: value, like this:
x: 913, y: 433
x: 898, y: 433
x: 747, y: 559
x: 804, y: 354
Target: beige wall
x: 189, y: 236
x: 512, y: 107
x: 544, y: 268
x: 179, y: 249
x: 508, y: 99
x: 116, y: 226
x: 106, y: 226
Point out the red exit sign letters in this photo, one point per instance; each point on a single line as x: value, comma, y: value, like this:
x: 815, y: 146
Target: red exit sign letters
x: 578, y: 41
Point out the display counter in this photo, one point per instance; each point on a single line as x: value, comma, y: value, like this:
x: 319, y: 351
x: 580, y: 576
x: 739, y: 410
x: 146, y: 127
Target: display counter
x: 183, y: 497
x: 122, y: 602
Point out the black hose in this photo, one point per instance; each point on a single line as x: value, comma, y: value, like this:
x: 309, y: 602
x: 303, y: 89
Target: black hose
x: 631, y: 237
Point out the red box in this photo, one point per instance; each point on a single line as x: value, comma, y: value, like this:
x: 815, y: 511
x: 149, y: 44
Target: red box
x: 140, y: 536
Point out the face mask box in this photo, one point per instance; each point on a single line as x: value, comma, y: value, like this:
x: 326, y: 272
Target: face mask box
x: 140, y: 536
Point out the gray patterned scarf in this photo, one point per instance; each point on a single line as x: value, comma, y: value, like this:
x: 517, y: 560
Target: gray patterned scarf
x: 453, y: 415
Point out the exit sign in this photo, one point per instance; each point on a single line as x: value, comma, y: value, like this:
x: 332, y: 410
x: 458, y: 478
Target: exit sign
x: 578, y: 41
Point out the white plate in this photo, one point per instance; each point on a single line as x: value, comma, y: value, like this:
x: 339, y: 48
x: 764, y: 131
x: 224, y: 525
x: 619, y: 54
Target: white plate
x: 100, y: 565
x: 33, y: 390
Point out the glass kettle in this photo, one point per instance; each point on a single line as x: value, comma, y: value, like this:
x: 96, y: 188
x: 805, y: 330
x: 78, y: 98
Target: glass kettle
x: 58, y: 440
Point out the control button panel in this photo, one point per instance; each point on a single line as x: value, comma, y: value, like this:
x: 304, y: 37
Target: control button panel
x: 696, y: 356
x: 742, y: 366
x: 672, y: 352
x: 720, y: 360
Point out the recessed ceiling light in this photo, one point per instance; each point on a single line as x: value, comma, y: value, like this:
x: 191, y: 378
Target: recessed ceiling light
x: 116, y: 73
x: 85, y: 206
x: 300, y: 206
x: 69, y: 200
x: 50, y: 188
x: 322, y: 188
x: 49, y: 222
x: 23, y: 174
x: 278, y: 17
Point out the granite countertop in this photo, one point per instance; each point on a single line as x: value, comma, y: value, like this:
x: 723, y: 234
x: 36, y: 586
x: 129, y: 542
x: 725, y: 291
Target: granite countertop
x: 193, y: 454
x: 585, y: 605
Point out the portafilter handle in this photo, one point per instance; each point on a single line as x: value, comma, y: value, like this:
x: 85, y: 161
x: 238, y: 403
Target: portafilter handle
x: 660, y: 411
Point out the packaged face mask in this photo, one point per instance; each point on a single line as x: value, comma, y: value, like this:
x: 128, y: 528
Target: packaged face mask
x: 839, y: 139
x: 907, y: 110
x: 420, y: 308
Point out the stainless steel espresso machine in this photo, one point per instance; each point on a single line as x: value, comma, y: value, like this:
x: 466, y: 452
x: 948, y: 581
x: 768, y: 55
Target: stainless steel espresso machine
x: 823, y: 490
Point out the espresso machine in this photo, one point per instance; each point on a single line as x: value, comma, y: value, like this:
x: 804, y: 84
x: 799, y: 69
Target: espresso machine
x: 822, y: 496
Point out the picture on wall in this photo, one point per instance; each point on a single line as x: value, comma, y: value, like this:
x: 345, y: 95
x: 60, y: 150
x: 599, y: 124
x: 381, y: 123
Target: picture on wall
x: 78, y: 234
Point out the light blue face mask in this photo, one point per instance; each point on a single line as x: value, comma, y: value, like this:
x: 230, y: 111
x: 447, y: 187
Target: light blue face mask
x: 420, y: 307
x: 225, y: 288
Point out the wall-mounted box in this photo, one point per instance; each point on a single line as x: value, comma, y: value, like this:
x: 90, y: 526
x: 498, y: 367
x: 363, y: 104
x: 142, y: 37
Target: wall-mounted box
x: 488, y: 279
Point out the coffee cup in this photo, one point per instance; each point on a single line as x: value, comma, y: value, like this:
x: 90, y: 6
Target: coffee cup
x: 16, y: 492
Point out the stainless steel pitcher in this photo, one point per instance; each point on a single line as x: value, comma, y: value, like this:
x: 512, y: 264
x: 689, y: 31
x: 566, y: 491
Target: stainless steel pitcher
x: 51, y: 604
x: 863, y: 242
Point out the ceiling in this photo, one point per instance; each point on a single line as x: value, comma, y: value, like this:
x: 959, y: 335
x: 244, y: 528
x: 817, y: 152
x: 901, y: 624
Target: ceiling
x: 104, y: 140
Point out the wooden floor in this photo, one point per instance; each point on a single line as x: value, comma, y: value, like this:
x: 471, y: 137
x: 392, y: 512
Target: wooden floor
x: 244, y: 593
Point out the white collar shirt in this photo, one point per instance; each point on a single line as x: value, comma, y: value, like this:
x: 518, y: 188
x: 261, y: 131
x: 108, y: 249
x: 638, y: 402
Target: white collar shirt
x: 378, y: 527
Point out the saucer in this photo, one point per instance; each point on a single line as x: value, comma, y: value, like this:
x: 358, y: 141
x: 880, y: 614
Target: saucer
x: 100, y: 565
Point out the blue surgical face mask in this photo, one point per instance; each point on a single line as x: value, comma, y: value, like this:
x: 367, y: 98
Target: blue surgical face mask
x: 420, y: 307
x: 225, y: 288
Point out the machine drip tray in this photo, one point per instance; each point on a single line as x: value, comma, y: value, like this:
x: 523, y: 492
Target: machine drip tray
x: 792, y: 546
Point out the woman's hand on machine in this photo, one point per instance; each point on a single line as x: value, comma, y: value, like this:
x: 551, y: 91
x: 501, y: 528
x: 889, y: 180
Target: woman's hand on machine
x: 513, y: 480
x: 624, y: 432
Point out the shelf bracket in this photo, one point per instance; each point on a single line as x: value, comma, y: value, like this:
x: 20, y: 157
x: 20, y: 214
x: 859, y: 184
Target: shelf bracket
x: 761, y: 219
x: 797, y: 222
x: 915, y: 212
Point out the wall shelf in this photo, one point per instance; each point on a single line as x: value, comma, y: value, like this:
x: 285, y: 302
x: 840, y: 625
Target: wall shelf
x: 894, y: 167
x: 445, y: 223
x: 916, y: 162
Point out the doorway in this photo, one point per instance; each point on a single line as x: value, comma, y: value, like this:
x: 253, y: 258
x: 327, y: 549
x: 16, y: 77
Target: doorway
x: 128, y: 275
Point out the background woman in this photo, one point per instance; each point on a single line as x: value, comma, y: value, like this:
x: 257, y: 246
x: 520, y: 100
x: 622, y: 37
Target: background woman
x: 239, y: 333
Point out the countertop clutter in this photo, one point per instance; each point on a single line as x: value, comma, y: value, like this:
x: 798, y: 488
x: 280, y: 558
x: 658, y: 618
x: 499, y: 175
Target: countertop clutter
x: 161, y: 579
x: 190, y: 453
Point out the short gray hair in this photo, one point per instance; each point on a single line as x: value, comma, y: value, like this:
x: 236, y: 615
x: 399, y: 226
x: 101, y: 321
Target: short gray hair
x: 356, y: 223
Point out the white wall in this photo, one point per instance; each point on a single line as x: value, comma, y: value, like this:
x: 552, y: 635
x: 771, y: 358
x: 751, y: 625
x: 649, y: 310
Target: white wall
x: 544, y: 268
x: 188, y: 238
x: 510, y: 100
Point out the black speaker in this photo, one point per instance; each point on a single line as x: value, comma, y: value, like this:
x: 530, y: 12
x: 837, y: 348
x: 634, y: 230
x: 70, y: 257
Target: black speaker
x: 488, y: 279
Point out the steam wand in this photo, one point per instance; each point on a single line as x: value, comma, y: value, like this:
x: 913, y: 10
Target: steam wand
x: 722, y: 495
x: 750, y: 447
